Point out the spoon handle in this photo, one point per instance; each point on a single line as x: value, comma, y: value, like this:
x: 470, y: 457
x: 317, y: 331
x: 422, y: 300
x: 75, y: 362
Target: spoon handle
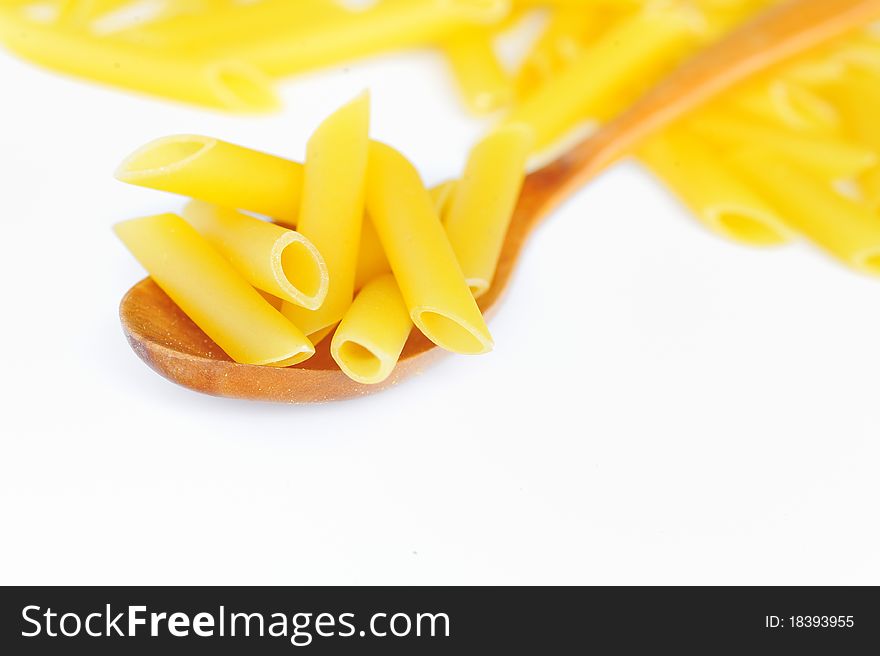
x: 775, y: 36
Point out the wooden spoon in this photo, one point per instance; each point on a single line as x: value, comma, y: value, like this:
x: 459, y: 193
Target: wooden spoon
x: 176, y: 348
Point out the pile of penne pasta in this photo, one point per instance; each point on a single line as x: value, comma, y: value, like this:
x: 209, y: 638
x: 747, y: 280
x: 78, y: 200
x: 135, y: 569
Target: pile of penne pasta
x: 794, y: 154
x: 370, y: 257
x: 226, y: 53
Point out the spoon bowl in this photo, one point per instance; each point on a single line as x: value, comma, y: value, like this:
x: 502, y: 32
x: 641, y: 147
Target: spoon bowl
x: 169, y: 342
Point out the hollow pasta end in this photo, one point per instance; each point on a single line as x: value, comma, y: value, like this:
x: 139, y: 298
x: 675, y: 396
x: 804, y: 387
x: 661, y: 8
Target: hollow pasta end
x: 297, y: 357
x: 163, y: 156
x: 451, y: 333
x: 869, y: 262
x: 749, y: 226
x: 359, y: 362
x: 300, y: 270
x: 243, y: 88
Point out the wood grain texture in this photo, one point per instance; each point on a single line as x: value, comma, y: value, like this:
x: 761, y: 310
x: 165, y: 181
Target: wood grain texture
x: 175, y: 347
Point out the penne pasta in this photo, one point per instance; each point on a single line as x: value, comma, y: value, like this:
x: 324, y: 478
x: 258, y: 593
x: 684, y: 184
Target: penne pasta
x: 211, y: 293
x: 581, y: 4
x: 816, y: 69
x: 484, y: 84
x: 274, y: 301
x: 421, y: 258
x: 844, y: 228
x: 830, y: 156
x: 712, y: 190
x: 234, y: 22
x: 856, y: 98
x: 565, y: 37
x: 371, y: 337
x: 130, y: 17
x: 815, y: 73
x: 870, y: 186
x: 861, y: 53
x: 219, y: 173
x: 82, y: 11
x: 228, y: 85
x: 273, y: 259
x: 372, y: 261
x: 384, y: 26
x: 482, y: 205
x: 333, y: 208
x: 595, y: 85
x: 441, y: 196
x: 319, y: 336
x: 795, y: 105
x: 723, y: 15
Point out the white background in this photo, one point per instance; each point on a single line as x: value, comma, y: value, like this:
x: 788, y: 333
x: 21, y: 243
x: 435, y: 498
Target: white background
x: 662, y: 406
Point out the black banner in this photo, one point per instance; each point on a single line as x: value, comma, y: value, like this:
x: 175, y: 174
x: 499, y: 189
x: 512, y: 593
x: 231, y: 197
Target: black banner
x: 437, y: 620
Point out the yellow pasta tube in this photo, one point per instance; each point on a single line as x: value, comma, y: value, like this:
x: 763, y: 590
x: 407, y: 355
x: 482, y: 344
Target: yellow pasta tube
x: 219, y: 173
x: 482, y: 206
x: 862, y: 53
x: 846, y: 229
x: 565, y: 36
x: 624, y: 59
x: 274, y: 301
x: 828, y: 155
x: 794, y: 104
x: 816, y: 72
x: 276, y: 260
x: 211, y: 293
x: 723, y: 15
x: 713, y: 191
x: 870, y: 183
x: 441, y: 196
x: 228, y: 85
x: 424, y: 264
x: 817, y: 68
x: 235, y: 22
x: 484, y: 84
x: 580, y: 4
x: 319, y: 336
x: 333, y: 207
x: 387, y: 25
x: 857, y: 97
x: 372, y: 261
x: 81, y: 11
x: 371, y: 337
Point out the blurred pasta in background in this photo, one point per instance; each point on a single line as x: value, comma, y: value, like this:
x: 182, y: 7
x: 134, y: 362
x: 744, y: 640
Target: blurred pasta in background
x: 793, y: 154
x: 226, y: 53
